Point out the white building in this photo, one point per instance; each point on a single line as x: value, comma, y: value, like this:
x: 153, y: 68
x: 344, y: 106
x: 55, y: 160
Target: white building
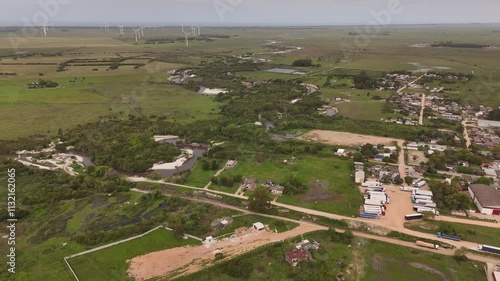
x: 486, y: 198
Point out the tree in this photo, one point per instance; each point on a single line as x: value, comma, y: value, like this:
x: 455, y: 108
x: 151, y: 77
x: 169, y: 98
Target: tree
x: 408, y: 180
x: 484, y: 180
x: 260, y: 200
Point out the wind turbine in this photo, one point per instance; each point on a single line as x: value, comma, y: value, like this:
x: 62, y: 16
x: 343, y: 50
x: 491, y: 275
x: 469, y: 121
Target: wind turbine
x: 142, y: 31
x: 44, y: 30
x: 121, y: 29
x: 107, y: 27
x: 137, y: 34
x: 187, y: 38
x: 199, y: 30
x: 193, y: 30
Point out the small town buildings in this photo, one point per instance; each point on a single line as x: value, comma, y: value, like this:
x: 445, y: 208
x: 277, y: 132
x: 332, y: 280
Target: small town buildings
x: 486, y: 198
x: 276, y: 189
x: 249, y: 183
x: 259, y: 226
x: 296, y: 256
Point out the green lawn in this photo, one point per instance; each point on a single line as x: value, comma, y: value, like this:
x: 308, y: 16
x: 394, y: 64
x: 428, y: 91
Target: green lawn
x: 478, y: 234
x: 110, y: 263
x: 396, y: 263
x: 333, y: 174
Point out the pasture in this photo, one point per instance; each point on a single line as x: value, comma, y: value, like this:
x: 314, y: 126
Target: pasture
x: 111, y: 263
x: 330, y: 187
x: 391, y: 263
x: 103, y: 91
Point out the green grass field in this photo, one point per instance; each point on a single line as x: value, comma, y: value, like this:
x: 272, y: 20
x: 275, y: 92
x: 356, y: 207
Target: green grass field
x: 396, y: 263
x: 337, y: 193
x: 110, y: 263
x: 478, y: 234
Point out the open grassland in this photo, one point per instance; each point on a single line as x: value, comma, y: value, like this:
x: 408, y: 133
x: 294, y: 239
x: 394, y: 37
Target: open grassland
x: 103, y: 89
x: 328, y: 180
x: 478, y: 234
x: 111, y: 263
x: 396, y: 263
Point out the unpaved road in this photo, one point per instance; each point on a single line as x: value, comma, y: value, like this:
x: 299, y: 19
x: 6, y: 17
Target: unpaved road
x: 421, y: 118
x: 151, y: 263
x: 184, y: 260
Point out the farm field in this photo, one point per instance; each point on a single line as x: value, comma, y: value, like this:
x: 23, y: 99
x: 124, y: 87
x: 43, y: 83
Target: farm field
x: 80, y: 102
x: 478, y: 234
x: 111, y: 263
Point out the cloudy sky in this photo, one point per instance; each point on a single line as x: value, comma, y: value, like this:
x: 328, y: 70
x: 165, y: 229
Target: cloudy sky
x: 249, y: 12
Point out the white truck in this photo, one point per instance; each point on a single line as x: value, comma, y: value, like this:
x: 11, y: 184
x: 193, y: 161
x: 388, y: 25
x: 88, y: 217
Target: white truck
x: 406, y: 188
x: 420, y: 184
x: 372, y: 184
x: 374, y: 202
x: 370, y: 209
x: 422, y: 192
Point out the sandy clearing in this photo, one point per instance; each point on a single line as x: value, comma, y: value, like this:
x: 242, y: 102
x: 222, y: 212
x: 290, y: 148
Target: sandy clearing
x: 183, y: 260
x: 344, y: 138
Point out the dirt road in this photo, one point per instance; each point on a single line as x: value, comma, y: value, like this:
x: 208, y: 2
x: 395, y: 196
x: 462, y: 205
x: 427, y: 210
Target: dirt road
x: 468, y: 141
x: 467, y: 221
x: 184, y: 260
x: 421, y: 118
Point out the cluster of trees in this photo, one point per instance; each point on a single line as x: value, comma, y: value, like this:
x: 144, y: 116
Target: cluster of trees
x: 124, y: 145
x: 303, y: 62
x: 209, y: 165
x: 439, y: 160
x: 43, y: 84
x: 227, y: 181
x: 260, y: 200
x: 494, y: 114
x: 294, y: 185
x: 363, y: 81
x: 450, y: 197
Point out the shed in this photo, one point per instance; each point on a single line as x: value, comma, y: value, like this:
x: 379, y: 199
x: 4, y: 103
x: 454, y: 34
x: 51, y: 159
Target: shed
x: 259, y: 226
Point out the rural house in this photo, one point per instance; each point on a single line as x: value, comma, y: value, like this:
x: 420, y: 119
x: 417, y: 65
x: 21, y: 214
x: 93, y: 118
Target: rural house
x: 296, y: 256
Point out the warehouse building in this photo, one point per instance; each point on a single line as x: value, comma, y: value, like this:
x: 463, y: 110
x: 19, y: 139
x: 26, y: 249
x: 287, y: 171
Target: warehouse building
x: 486, y: 198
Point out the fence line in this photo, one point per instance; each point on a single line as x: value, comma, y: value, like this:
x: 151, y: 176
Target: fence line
x: 117, y: 243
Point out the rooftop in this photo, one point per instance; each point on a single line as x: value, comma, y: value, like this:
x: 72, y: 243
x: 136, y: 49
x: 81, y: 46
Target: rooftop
x: 487, y: 195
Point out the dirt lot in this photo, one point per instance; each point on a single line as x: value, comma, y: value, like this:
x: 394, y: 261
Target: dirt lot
x: 400, y: 205
x: 419, y: 157
x: 345, y: 139
x: 183, y: 260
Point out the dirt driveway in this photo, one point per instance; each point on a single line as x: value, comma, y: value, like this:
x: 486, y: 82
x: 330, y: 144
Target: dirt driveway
x: 184, y: 260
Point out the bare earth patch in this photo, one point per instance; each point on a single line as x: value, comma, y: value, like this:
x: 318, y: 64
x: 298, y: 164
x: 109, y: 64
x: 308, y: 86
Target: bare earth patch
x: 180, y: 261
x: 344, y: 138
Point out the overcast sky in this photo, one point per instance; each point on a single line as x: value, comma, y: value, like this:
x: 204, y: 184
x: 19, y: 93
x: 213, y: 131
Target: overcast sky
x: 249, y: 12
